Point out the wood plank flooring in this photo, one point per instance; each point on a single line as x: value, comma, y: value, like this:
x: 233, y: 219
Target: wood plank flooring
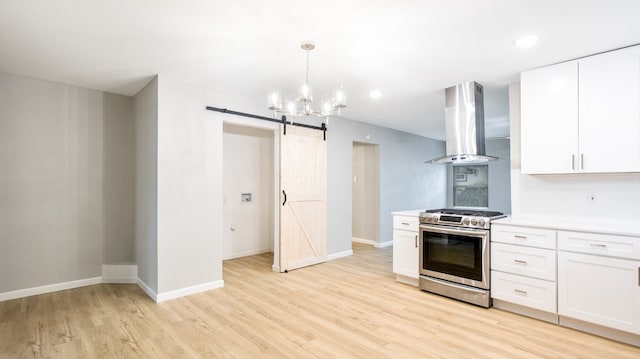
x: 347, y: 308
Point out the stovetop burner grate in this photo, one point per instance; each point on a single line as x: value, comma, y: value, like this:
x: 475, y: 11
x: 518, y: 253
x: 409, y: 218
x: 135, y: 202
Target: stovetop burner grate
x: 464, y: 212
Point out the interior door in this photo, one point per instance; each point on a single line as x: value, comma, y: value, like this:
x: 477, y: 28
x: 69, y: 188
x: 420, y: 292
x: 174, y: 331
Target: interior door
x: 303, y: 189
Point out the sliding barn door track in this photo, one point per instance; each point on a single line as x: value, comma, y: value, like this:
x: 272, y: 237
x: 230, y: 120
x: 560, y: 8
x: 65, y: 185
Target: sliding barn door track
x: 282, y: 121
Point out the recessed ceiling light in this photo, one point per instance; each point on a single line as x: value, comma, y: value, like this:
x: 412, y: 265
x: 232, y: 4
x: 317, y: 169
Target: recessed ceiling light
x: 526, y: 41
x: 375, y: 94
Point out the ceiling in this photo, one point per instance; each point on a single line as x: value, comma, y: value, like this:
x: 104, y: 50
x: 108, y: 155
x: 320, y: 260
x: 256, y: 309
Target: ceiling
x: 409, y: 50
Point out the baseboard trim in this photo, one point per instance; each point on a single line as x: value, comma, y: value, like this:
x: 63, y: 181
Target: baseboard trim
x: 114, y: 274
x: 615, y: 334
x: 383, y: 244
x: 145, y: 287
x: 162, y: 297
x: 372, y: 243
x: 333, y: 256
x: 526, y: 311
x: 252, y: 252
x: 363, y: 241
x: 28, y: 292
x: 120, y: 273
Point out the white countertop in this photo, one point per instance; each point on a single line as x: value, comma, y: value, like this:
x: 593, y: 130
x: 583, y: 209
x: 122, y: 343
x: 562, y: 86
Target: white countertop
x: 411, y: 213
x: 573, y: 224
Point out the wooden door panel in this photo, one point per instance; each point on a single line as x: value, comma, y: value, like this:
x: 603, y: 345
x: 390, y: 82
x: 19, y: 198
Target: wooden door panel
x: 303, y: 214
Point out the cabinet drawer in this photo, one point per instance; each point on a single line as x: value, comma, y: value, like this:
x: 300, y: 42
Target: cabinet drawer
x: 524, y: 236
x: 406, y: 223
x: 600, y: 244
x: 530, y: 262
x: 534, y: 293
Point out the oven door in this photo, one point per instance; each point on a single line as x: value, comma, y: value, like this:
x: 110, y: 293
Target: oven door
x: 459, y: 255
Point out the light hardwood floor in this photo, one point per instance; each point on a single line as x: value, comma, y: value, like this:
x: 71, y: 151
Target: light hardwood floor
x: 346, y: 308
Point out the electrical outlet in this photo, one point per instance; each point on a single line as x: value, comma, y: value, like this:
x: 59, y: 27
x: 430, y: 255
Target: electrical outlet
x: 592, y: 197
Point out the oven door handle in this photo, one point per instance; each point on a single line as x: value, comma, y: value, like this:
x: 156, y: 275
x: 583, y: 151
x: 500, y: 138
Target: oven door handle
x: 449, y: 230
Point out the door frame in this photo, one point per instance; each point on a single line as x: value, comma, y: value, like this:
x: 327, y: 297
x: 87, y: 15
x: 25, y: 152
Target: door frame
x: 275, y: 128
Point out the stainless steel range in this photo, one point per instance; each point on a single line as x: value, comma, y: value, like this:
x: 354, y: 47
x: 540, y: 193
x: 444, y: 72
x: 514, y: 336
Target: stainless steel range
x: 454, y: 253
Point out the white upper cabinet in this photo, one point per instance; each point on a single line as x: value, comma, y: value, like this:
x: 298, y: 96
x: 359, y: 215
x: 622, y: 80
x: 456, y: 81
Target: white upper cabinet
x: 609, y: 111
x: 582, y: 116
x: 549, y: 121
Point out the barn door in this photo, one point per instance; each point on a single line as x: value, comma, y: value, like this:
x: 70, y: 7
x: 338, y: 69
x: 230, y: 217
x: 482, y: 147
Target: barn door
x: 303, y: 191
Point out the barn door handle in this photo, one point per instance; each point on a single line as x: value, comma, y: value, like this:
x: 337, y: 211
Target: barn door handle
x: 285, y: 197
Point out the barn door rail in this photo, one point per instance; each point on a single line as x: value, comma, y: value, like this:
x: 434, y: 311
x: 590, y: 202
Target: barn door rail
x: 283, y: 121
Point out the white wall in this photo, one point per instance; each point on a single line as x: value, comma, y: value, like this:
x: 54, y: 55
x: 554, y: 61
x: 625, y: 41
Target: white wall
x: 64, y: 182
x: 366, y: 192
x: 565, y: 196
x: 145, y: 113
x: 189, y: 189
x: 247, y: 168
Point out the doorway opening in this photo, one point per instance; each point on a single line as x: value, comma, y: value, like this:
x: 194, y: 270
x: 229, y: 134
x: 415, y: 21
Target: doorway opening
x: 365, y: 206
x: 249, y: 210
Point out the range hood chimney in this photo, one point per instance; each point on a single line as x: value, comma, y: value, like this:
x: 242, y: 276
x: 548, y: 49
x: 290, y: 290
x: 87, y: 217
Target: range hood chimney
x: 464, y: 126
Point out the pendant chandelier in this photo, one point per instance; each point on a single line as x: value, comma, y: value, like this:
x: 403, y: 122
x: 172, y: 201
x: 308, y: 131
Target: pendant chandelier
x: 302, y: 104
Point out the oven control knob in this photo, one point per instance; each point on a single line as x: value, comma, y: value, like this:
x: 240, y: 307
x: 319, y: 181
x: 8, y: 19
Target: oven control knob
x: 465, y: 221
x: 474, y: 222
x: 481, y: 222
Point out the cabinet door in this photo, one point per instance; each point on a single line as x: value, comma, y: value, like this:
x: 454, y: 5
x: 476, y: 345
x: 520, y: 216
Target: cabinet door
x: 600, y: 290
x: 609, y: 111
x: 405, y: 253
x: 549, y: 119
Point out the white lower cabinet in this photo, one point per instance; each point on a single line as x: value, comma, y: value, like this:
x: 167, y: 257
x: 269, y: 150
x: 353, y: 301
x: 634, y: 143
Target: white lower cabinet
x: 405, y: 248
x: 600, y: 290
x: 405, y: 253
x: 594, y: 285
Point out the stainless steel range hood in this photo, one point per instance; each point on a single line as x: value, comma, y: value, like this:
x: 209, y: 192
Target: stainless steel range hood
x: 464, y: 126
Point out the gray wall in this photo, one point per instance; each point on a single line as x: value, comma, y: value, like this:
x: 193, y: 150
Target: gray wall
x: 499, y: 177
x: 63, y: 174
x: 406, y: 182
x: 145, y: 113
x: 118, y: 184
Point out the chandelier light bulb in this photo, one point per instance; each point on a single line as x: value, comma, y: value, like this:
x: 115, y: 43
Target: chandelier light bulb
x: 327, y: 108
x: 305, y: 92
x: 339, y: 99
x: 274, y: 101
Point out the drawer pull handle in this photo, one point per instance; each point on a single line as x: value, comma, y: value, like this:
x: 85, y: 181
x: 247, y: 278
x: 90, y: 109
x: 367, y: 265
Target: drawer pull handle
x: 416, y: 241
x: 598, y: 245
x: 520, y: 291
x: 517, y: 236
x: 406, y: 223
x: 520, y: 261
